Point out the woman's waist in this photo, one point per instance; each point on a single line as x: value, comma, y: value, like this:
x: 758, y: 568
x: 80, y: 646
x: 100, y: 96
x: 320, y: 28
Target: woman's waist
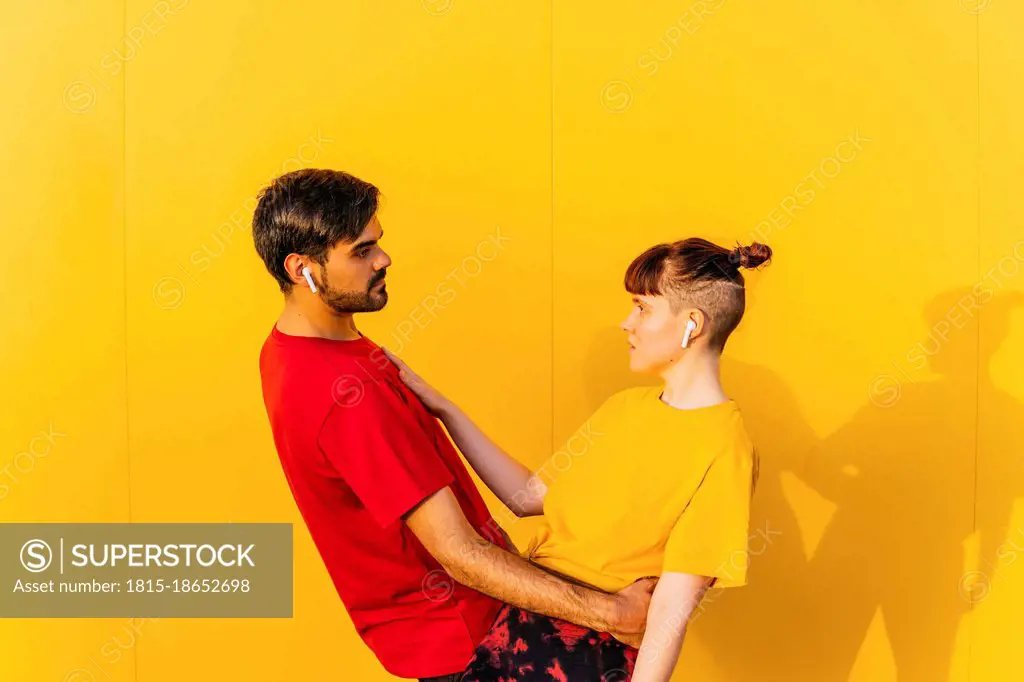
x: 605, y: 578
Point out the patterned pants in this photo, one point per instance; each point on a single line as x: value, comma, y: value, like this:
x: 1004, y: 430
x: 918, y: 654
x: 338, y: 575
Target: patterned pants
x: 527, y: 647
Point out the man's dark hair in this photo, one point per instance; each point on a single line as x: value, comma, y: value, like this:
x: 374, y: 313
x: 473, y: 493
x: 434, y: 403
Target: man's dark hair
x: 308, y: 211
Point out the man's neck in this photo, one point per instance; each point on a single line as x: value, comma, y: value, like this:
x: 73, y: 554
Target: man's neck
x: 312, y: 318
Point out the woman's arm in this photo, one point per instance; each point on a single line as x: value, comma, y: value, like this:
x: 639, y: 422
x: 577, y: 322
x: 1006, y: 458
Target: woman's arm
x: 674, y: 600
x: 510, y: 481
x: 513, y: 483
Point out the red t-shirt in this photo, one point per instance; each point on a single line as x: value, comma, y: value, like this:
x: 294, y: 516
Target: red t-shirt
x: 359, y: 450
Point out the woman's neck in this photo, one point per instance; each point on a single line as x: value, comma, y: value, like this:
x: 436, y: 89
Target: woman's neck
x: 693, y: 381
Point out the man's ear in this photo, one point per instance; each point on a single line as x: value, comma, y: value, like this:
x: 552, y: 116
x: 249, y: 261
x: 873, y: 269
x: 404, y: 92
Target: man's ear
x: 293, y: 264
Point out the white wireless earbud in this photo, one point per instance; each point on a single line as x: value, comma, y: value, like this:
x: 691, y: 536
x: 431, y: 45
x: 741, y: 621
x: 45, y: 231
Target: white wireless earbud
x: 690, y: 326
x: 309, y: 278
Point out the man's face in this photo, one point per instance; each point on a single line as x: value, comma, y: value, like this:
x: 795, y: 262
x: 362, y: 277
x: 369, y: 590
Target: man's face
x: 352, y: 280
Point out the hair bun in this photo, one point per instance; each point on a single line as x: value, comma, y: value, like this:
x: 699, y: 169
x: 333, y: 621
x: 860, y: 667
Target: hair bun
x: 752, y: 256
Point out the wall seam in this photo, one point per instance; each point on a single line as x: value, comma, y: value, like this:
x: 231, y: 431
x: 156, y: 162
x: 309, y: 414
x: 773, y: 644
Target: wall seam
x: 551, y: 128
x: 124, y: 249
x: 977, y: 346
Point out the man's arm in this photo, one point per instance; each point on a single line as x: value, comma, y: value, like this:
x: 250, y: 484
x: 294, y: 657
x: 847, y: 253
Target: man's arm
x: 440, y: 525
x: 674, y: 600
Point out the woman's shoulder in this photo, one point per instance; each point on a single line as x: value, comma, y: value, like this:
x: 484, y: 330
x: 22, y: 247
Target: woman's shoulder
x: 734, y: 442
x: 629, y: 398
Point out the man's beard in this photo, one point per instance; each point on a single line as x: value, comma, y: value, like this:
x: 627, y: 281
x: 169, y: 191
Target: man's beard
x: 341, y: 301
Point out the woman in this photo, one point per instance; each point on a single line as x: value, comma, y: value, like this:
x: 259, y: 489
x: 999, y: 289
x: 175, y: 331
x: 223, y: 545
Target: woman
x: 660, y: 485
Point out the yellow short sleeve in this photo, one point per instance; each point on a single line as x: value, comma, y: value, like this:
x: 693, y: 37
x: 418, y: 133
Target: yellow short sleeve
x: 710, y: 537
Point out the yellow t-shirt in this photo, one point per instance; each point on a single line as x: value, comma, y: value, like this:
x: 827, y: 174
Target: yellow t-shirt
x: 643, y: 488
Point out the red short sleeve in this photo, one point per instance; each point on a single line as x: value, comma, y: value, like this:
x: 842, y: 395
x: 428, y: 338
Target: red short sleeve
x: 382, y: 452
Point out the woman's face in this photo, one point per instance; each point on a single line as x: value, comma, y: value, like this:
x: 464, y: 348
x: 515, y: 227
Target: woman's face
x: 655, y: 334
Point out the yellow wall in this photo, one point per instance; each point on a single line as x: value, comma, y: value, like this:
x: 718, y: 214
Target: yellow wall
x: 527, y: 154
x: 63, y: 429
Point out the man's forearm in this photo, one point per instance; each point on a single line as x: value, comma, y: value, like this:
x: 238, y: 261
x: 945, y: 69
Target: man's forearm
x: 506, y: 477
x: 513, y: 580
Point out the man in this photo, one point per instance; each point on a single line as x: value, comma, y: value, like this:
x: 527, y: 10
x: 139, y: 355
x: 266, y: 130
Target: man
x: 383, y: 492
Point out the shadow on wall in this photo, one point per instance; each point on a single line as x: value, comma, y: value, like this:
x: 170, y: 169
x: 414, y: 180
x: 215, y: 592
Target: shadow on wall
x: 900, y: 476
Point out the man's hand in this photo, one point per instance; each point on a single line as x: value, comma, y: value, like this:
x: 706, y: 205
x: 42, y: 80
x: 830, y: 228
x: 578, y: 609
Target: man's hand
x: 442, y: 528
x: 631, y: 606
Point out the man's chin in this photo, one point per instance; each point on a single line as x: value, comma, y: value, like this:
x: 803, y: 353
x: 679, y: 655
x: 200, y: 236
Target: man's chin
x: 366, y: 304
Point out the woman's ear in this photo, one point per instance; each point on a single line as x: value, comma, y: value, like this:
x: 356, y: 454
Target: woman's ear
x: 699, y: 318
x: 694, y: 325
